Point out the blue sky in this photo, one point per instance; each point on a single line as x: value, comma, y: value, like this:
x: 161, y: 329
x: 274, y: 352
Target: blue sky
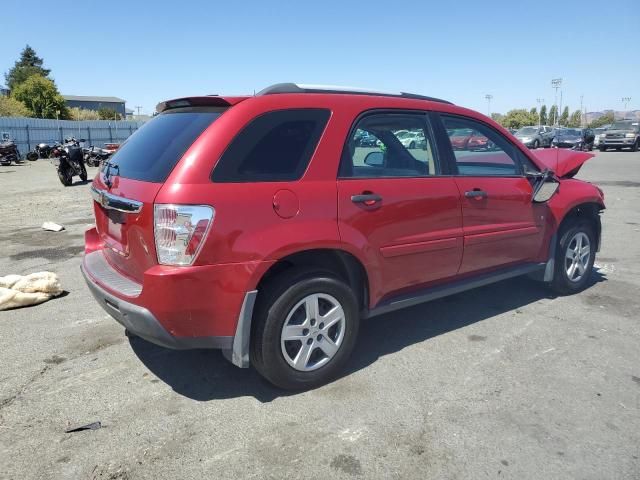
x: 458, y: 50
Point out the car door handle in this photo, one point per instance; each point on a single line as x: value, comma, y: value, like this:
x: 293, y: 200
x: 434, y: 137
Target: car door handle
x: 475, y: 193
x: 368, y: 199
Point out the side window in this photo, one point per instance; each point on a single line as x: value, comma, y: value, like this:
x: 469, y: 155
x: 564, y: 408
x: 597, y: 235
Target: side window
x: 479, y: 150
x: 390, y: 145
x: 274, y: 147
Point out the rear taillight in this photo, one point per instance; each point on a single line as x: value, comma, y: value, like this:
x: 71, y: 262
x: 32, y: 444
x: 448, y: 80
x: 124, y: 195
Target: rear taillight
x: 180, y: 231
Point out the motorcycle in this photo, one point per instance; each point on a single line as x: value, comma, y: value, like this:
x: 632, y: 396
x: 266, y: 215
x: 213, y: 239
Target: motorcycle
x: 9, y: 151
x: 94, y: 156
x: 42, y: 150
x: 70, y: 161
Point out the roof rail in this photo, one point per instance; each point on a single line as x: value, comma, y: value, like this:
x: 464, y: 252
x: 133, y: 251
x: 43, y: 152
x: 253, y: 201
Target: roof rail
x: 303, y: 88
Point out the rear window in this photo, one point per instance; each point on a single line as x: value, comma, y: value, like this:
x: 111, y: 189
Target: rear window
x: 276, y: 146
x: 154, y: 150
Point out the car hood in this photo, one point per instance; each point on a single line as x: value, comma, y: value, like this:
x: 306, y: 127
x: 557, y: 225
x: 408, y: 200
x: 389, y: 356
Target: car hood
x: 565, y: 163
x: 525, y: 135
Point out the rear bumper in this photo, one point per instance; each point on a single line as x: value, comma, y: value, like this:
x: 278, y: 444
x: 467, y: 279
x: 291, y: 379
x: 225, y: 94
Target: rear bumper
x: 143, y: 323
x: 176, y: 307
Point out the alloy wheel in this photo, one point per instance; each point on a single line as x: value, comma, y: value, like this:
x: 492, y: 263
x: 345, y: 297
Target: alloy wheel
x: 313, y: 332
x: 577, y: 257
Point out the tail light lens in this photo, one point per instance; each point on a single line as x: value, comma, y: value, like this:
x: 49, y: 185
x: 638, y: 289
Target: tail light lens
x: 180, y: 231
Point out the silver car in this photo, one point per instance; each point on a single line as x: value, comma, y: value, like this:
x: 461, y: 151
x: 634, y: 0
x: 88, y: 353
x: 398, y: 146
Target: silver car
x: 535, y: 137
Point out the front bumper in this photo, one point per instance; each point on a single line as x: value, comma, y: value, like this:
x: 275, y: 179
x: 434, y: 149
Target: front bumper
x: 141, y: 322
x: 617, y: 142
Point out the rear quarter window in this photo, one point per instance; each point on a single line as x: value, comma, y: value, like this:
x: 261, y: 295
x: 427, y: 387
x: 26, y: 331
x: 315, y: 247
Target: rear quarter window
x: 276, y: 146
x: 153, y: 151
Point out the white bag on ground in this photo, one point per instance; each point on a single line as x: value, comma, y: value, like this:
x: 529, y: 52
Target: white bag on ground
x: 23, y: 290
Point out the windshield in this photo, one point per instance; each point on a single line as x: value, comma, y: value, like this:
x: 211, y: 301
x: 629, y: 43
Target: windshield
x: 624, y: 126
x: 527, y: 131
x: 570, y: 132
x: 151, y: 153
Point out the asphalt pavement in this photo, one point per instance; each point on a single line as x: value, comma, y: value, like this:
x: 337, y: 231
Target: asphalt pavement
x: 506, y: 381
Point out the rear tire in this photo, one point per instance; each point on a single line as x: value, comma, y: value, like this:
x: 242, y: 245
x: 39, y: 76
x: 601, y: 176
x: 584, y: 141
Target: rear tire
x: 302, y: 299
x: 575, y: 255
x: 602, y: 149
x: 32, y: 156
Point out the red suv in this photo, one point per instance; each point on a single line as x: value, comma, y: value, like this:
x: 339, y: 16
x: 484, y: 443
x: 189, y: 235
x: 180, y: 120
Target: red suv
x: 264, y: 227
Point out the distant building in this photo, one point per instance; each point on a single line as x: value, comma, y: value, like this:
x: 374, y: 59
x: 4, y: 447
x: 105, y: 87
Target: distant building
x: 4, y: 91
x: 96, y: 103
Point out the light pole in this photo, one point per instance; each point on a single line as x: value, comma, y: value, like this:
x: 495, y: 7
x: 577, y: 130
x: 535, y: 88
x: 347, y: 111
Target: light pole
x: 556, y: 83
x: 488, y: 96
x: 540, y: 102
x: 625, y: 101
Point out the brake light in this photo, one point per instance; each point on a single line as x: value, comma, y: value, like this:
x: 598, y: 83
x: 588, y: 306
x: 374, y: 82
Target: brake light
x: 180, y: 231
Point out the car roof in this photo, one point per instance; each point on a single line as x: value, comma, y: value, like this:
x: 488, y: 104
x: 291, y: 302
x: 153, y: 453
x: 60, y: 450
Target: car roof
x: 292, y: 89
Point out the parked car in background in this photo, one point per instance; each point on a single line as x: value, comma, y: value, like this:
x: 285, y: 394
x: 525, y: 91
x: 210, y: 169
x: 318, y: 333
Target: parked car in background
x: 597, y: 132
x: 576, y: 138
x: 621, y: 134
x: 365, y: 139
x: 258, y: 225
x: 468, y: 139
x: 411, y: 139
x: 535, y: 137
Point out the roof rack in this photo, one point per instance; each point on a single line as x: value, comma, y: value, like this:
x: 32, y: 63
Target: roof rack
x: 303, y: 88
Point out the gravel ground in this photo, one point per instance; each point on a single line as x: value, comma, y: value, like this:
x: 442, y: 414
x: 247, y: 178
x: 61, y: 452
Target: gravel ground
x: 506, y: 381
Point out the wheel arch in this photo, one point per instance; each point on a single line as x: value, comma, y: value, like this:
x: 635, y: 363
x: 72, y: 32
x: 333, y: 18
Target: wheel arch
x: 588, y: 210
x: 344, y: 264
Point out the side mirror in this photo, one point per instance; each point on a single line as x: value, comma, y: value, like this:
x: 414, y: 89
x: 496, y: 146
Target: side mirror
x: 546, y: 186
x: 374, y: 159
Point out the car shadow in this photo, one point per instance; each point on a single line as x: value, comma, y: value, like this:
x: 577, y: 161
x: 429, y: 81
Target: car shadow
x: 204, y: 375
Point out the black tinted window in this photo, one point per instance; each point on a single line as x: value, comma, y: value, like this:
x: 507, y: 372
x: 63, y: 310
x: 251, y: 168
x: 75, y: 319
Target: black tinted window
x: 276, y: 146
x: 151, y: 153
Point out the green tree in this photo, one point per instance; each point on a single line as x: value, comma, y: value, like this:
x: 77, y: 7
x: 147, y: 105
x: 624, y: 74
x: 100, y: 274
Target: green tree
x: 575, y: 120
x: 534, y: 115
x: 41, y: 96
x: 497, y: 117
x: 10, y: 107
x: 543, y: 115
x: 564, y: 118
x: 519, y: 117
x: 109, y: 114
x: 29, y: 64
x: 553, y: 115
x: 605, y: 119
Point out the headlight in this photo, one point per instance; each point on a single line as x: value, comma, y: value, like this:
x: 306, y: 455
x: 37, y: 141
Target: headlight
x: 629, y: 135
x: 525, y: 139
x: 603, y: 136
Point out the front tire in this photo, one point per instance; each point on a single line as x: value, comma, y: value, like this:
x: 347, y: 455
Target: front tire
x: 304, y: 328
x: 536, y: 144
x: 83, y: 173
x: 65, y: 177
x: 575, y: 255
x: 636, y: 145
